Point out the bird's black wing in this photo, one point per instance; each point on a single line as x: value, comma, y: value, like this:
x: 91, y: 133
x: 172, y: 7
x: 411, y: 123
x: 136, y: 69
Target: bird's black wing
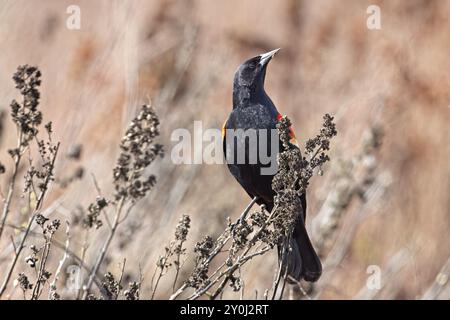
x: 249, y: 175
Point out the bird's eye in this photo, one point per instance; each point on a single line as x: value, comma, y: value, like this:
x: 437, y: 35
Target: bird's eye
x: 252, y: 65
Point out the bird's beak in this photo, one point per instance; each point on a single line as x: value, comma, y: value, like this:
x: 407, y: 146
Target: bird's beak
x: 266, y: 57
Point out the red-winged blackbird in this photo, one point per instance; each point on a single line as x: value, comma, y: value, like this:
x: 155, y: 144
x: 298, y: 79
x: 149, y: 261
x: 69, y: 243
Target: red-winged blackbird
x: 253, y: 110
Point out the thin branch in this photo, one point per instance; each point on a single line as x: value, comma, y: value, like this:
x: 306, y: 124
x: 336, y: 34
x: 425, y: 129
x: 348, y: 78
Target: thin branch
x: 11, y: 187
x: 439, y: 284
x: 30, y: 222
x: 104, y: 248
x: 121, y: 275
x: 162, y: 263
x: 52, y: 291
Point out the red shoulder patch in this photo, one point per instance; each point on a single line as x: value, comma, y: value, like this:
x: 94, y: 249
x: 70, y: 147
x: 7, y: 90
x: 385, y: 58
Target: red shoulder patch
x: 291, y: 131
x: 279, y: 117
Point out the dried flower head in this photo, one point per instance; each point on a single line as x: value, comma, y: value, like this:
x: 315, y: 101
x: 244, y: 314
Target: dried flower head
x: 54, y: 295
x: 41, y: 220
x: 31, y: 261
x: 235, y: 283
x: 111, y: 287
x: 133, y: 291
x: 182, y: 228
x: 267, y: 234
x: 45, y: 276
x: 240, y: 233
x: 26, y: 115
x: 53, y: 226
x: 42, y: 175
x: 94, y: 209
x: 199, y: 276
x: 295, y: 171
x: 204, y: 247
x: 138, y: 151
x: 23, y: 282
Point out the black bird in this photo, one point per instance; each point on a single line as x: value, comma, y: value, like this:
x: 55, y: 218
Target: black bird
x: 254, y: 110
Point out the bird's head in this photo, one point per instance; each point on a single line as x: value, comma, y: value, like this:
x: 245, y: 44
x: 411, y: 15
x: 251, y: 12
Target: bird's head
x: 249, y: 77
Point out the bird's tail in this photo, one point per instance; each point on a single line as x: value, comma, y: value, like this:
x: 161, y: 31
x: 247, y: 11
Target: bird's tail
x: 300, y: 258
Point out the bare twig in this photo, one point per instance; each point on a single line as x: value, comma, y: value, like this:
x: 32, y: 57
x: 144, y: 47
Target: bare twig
x: 52, y: 294
x: 121, y: 275
x: 40, y: 277
x: 11, y: 188
x: 439, y: 284
x: 161, y: 267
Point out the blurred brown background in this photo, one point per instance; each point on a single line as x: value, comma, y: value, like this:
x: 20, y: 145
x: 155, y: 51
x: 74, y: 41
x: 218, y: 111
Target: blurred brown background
x: 182, y: 55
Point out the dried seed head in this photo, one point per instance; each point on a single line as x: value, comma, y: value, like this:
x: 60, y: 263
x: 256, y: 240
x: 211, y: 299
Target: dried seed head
x: 40, y: 220
x: 133, y: 291
x: 94, y: 209
x: 111, y: 286
x: 138, y: 151
x: 23, y: 282
x: 26, y: 115
x: 182, y: 229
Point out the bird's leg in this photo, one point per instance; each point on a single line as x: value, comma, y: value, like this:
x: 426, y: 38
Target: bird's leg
x: 247, y: 209
x: 241, y: 219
